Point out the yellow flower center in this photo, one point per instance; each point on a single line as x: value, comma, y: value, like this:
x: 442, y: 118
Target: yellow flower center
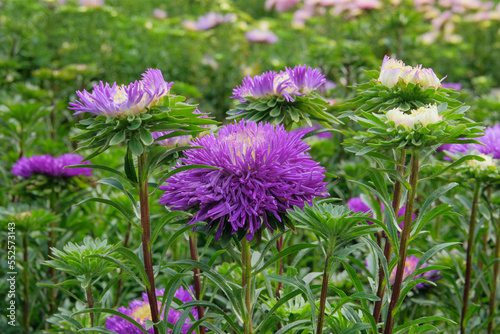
x: 120, y: 96
x: 143, y: 312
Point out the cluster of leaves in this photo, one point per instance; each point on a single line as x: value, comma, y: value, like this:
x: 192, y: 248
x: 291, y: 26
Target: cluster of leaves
x: 307, y: 108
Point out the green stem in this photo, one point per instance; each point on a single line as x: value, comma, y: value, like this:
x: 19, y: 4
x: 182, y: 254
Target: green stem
x: 396, y: 202
x: 322, y: 301
x: 196, y: 277
x: 494, y: 283
x: 470, y: 248
x: 403, y: 248
x: 246, y: 259
x: 146, y: 238
x: 279, y: 248
x: 90, y: 303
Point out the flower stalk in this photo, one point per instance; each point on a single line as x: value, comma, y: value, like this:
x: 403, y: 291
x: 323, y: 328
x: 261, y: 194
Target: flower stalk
x: 405, y: 237
x: 470, y: 248
x: 146, y: 237
x: 196, y: 277
x: 322, y: 301
x: 396, y: 203
x: 246, y: 259
x: 496, y: 268
x: 90, y: 303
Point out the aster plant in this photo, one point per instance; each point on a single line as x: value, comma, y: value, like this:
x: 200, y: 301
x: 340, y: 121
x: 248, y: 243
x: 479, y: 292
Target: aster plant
x: 404, y: 111
x: 263, y: 171
x: 482, y: 172
x: 284, y: 98
x: 129, y: 114
x: 335, y: 227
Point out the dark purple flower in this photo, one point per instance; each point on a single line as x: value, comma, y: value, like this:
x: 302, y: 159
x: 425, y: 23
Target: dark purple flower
x: 452, y: 85
x: 490, y: 140
x: 261, y: 36
x: 140, y: 311
x: 410, y: 266
x: 115, y: 101
x: 48, y: 165
x: 264, y: 170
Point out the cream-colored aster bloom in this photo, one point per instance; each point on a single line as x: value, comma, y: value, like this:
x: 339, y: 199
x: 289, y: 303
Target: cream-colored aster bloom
x: 486, y: 164
x: 390, y: 71
x: 423, y: 116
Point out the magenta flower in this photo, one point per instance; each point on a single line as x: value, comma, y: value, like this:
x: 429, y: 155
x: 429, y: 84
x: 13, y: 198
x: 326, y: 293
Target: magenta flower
x: 116, y: 101
x: 261, y: 36
x: 410, y: 266
x: 140, y: 311
x: 264, y: 170
x: 48, y: 165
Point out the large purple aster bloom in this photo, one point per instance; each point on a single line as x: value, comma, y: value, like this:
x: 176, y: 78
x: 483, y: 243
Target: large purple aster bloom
x: 490, y: 140
x: 410, y: 266
x: 48, y: 165
x: 264, y: 170
x: 115, y: 101
x: 140, y: 311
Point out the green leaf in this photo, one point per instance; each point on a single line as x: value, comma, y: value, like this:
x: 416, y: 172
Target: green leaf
x: 130, y: 172
x: 117, y: 206
x: 117, y: 138
x: 146, y: 136
x: 421, y: 321
x: 135, y: 146
x: 280, y: 255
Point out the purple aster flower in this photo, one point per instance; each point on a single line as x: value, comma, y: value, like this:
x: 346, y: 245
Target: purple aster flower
x: 268, y: 84
x: 490, y: 145
x: 452, y: 85
x: 410, y: 266
x: 91, y: 3
x: 48, y: 165
x: 115, y: 101
x: 261, y: 36
x: 264, y: 170
x: 140, y: 311
x: 305, y: 78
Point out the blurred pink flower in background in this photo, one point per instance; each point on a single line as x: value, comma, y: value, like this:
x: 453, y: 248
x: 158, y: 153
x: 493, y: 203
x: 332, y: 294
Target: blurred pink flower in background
x: 281, y: 5
x: 159, y: 14
x: 91, y: 3
x: 261, y: 36
x: 208, y: 21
